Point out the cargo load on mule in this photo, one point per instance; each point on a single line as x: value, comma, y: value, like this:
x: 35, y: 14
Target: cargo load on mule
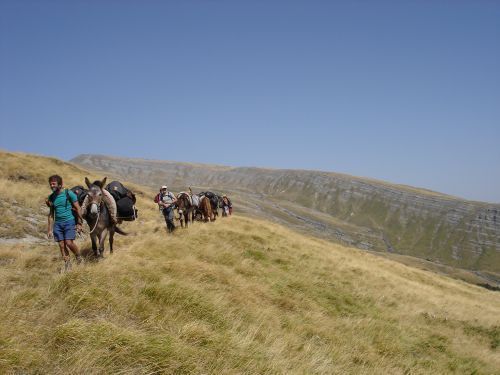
x: 80, y: 193
x: 125, y: 201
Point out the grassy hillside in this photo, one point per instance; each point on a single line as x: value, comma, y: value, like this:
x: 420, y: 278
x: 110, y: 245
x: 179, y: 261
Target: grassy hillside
x: 359, y: 212
x: 236, y: 296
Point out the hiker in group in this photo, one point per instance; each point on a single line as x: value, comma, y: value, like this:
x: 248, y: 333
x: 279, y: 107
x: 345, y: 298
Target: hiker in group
x: 166, y: 203
x: 109, y: 201
x: 64, y: 217
x: 227, y: 206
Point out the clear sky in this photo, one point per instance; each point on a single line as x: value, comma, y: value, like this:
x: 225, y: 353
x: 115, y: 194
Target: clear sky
x: 402, y: 91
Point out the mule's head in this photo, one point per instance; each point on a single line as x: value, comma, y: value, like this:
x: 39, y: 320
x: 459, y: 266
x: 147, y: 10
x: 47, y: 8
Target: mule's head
x: 95, y: 195
x: 183, y: 202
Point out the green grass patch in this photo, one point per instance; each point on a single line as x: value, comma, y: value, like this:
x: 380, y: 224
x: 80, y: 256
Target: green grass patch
x: 492, y: 334
x: 257, y: 255
x: 186, y: 301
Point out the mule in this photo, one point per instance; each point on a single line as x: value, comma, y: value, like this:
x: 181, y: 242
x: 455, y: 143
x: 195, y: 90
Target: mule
x: 214, y: 201
x: 99, y: 220
x: 195, y: 211
x: 206, y: 209
x: 184, y: 208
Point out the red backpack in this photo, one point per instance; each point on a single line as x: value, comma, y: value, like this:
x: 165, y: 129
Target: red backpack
x: 157, y: 198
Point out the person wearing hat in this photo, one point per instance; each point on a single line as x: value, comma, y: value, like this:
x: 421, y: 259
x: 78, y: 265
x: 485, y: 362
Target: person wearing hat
x: 166, y: 204
x: 227, y: 206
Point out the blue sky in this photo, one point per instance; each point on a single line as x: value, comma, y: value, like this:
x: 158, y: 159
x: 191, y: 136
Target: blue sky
x: 402, y: 91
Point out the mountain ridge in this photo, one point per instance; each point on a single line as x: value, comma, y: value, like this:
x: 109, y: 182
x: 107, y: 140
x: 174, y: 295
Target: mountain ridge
x: 80, y: 157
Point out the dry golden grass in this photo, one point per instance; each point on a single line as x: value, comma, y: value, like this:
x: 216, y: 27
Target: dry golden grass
x: 237, y: 296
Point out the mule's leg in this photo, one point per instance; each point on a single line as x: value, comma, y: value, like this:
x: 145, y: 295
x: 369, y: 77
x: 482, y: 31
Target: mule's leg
x: 93, y: 238
x: 185, y: 215
x: 102, y: 241
x: 181, y: 217
x: 111, y: 237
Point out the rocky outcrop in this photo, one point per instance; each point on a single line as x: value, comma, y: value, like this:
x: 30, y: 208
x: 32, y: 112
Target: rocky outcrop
x: 368, y: 214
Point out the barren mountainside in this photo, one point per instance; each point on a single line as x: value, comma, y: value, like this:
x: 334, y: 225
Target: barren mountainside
x: 360, y: 212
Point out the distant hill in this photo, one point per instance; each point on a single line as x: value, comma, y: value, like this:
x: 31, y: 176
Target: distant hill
x: 237, y: 296
x: 360, y: 212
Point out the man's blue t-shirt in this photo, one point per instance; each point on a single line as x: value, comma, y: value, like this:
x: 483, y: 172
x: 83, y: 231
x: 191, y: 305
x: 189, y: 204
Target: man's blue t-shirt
x: 62, y: 210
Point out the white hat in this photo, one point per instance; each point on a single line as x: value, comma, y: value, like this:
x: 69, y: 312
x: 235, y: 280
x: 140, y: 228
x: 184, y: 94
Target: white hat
x: 164, y: 187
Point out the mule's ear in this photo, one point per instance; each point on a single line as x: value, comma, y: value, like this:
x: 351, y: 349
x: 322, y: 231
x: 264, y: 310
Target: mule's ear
x: 103, y: 183
x: 88, y: 182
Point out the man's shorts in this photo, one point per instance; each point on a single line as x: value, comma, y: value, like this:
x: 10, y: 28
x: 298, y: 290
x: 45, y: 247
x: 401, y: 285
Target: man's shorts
x: 64, y: 231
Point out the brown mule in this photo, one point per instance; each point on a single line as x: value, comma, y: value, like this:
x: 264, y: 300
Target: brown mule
x: 206, y: 209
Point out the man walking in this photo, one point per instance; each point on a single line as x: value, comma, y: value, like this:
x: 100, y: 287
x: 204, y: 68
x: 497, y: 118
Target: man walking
x: 166, y: 203
x: 64, y: 208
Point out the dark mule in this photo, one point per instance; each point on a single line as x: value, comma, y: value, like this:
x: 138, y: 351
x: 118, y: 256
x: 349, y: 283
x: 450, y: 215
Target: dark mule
x: 206, y: 209
x: 184, y: 207
x: 215, y: 202
x: 98, y: 219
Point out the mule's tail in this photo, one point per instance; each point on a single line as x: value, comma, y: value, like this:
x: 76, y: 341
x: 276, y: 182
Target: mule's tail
x: 120, y: 231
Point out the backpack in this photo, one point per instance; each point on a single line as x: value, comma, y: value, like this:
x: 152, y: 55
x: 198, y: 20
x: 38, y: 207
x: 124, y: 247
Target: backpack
x: 157, y: 198
x: 52, y: 198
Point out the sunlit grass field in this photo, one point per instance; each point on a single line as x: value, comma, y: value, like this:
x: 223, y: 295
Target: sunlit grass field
x: 238, y: 295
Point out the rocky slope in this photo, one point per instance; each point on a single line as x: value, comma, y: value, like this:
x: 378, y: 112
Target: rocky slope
x: 364, y: 213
